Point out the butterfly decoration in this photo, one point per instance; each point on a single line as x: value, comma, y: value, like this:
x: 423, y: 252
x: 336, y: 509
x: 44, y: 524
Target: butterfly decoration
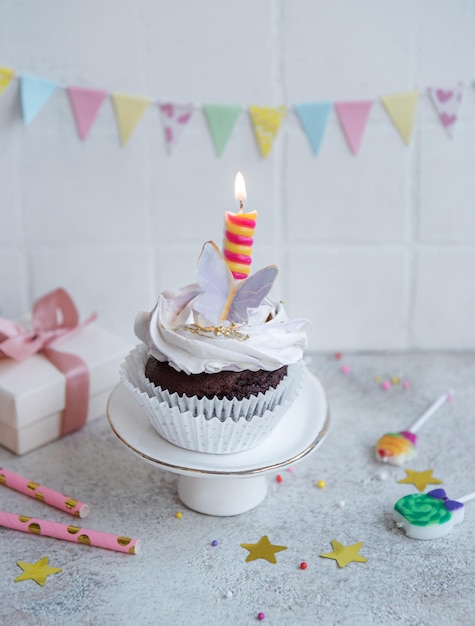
x: 221, y: 298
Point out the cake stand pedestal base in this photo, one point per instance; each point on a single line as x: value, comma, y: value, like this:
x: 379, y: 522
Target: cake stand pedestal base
x: 225, y: 484
x: 222, y: 496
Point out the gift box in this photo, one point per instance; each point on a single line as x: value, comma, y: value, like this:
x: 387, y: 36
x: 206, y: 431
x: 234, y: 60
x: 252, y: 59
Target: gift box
x: 32, y: 392
x: 35, y: 389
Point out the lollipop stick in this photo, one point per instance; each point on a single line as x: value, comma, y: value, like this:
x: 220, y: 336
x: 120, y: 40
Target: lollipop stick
x: 469, y: 496
x: 430, y: 411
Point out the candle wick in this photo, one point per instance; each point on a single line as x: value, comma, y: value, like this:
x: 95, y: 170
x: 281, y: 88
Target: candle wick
x: 241, y: 206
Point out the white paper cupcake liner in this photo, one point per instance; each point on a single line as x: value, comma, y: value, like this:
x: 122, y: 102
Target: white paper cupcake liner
x: 213, y: 426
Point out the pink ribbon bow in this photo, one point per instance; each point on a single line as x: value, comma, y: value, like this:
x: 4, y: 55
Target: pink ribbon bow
x: 54, y: 318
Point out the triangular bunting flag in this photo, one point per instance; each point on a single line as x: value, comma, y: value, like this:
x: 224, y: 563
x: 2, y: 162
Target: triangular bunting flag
x: 221, y: 121
x: 353, y: 117
x: 6, y: 75
x: 401, y: 108
x: 35, y: 92
x: 175, y: 117
x: 447, y: 101
x: 129, y: 110
x: 266, y: 122
x: 314, y: 117
x: 85, y: 104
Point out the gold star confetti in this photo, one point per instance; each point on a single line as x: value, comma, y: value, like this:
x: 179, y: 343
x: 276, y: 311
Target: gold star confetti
x: 36, y: 571
x: 263, y: 549
x: 345, y: 554
x: 420, y: 479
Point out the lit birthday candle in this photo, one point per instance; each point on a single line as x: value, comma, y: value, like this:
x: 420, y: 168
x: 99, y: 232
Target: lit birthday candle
x: 238, y: 232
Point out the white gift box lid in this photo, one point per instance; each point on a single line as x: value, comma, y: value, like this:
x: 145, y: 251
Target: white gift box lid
x: 34, y: 388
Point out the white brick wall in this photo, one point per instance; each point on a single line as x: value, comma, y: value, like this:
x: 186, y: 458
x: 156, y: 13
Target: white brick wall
x: 377, y: 250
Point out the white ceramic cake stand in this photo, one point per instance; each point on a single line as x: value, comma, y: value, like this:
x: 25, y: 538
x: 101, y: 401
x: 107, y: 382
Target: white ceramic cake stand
x: 225, y: 484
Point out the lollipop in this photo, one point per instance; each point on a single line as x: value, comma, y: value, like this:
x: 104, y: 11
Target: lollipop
x: 397, y: 448
x: 429, y: 515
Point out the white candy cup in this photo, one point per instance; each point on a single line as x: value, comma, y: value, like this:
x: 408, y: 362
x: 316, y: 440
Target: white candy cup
x: 210, y: 425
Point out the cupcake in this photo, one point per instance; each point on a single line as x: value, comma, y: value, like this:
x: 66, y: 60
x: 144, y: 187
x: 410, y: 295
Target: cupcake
x: 220, y: 362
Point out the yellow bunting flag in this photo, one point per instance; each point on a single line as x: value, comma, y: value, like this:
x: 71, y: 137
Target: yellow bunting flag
x: 266, y: 122
x: 129, y: 110
x: 6, y: 75
x: 401, y: 108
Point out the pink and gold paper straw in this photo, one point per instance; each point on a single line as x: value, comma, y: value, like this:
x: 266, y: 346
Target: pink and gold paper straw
x: 43, y: 494
x: 67, y: 532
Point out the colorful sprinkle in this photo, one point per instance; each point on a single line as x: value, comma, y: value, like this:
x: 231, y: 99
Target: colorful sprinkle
x: 345, y: 369
x: 303, y: 565
x: 215, y: 542
x: 385, y: 385
x: 338, y: 356
x: 261, y: 616
x: 290, y: 469
x: 179, y: 514
x: 228, y: 594
x: 342, y: 504
x: 279, y: 478
x: 321, y: 484
x: 395, y: 380
x: 406, y: 384
x: 377, y: 379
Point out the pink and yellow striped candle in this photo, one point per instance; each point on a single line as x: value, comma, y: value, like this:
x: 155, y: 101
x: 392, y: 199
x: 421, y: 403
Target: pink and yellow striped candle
x: 67, y: 532
x: 238, y: 232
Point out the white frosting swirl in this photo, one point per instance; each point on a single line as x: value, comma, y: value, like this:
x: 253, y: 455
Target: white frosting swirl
x: 269, y: 346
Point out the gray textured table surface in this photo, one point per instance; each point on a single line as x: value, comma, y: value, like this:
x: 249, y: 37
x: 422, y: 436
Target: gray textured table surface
x: 180, y: 578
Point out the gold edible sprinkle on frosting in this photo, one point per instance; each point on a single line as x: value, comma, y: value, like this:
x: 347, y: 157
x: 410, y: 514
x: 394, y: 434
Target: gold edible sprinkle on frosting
x: 229, y: 332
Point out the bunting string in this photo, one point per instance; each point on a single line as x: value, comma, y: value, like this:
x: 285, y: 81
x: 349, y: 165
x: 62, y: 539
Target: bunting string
x: 266, y: 121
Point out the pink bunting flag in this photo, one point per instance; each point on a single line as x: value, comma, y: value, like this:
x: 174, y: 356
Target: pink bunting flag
x: 353, y: 117
x: 175, y: 118
x: 85, y: 104
x: 447, y: 101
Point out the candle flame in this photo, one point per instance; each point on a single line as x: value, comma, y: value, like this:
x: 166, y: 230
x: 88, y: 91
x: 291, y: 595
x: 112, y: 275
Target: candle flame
x: 240, y: 188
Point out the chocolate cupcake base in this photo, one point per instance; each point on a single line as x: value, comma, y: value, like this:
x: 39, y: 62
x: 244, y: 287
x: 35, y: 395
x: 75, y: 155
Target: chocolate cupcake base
x: 231, y: 385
